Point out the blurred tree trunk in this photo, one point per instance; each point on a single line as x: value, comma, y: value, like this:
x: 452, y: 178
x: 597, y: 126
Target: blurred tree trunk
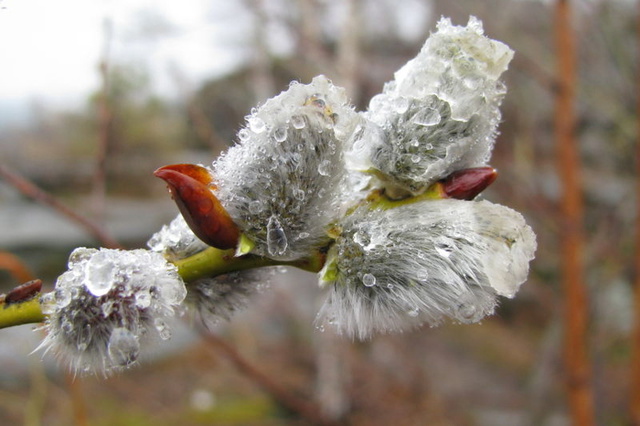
x: 261, y: 73
x: 576, y: 362
x: 635, y: 360
x: 349, y: 53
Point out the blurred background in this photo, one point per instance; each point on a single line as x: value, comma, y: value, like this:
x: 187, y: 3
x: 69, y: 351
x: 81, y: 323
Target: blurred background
x: 96, y: 95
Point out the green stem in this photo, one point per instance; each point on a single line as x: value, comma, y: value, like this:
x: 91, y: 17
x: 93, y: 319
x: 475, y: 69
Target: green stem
x: 213, y: 262
x: 17, y: 313
x: 208, y: 263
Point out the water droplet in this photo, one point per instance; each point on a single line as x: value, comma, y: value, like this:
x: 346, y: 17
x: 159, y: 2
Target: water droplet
x: 173, y: 292
x: 297, y: 121
x: 427, y: 117
x: 401, y: 105
x: 361, y: 238
x: 280, y: 134
x: 257, y: 124
x: 368, y: 280
x: 303, y: 235
x: 255, y: 207
x: 422, y: 274
x: 467, y: 312
x: 80, y: 255
x: 444, y: 248
x: 107, y: 308
x: 324, y: 168
x: 472, y: 82
x: 415, y: 158
x: 163, y: 328
x: 276, y: 238
x: 100, y: 274
x: 123, y: 347
x: 413, y: 312
x: 243, y: 135
x: 298, y: 194
x: 84, y: 338
x: 63, y: 297
x: 143, y: 299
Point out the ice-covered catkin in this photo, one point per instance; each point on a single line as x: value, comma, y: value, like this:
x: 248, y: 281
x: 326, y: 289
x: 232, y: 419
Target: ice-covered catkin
x: 394, y: 269
x: 284, y: 181
x: 107, y: 305
x: 439, y: 114
x: 176, y: 240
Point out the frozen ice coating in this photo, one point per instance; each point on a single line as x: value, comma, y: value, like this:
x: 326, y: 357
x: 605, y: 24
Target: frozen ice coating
x: 440, y: 113
x: 394, y: 269
x: 284, y: 181
x: 107, y: 304
x: 176, y: 240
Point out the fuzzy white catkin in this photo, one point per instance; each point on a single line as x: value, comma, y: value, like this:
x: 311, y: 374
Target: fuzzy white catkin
x: 399, y: 268
x: 107, y: 305
x: 176, y: 240
x: 284, y: 181
x: 440, y: 113
x: 216, y: 299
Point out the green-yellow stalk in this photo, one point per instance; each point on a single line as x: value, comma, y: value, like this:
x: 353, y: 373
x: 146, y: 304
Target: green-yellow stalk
x: 208, y: 263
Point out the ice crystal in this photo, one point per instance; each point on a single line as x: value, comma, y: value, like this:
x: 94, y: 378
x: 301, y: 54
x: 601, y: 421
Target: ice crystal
x: 107, y: 304
x: 176, y: 240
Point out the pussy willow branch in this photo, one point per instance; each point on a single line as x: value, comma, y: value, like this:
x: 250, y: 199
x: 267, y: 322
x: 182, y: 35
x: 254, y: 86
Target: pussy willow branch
x: 206, y: 264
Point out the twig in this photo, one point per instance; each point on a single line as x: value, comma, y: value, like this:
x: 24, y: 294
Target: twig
x: 30, y: 190
x: 536, y: 72
x: 16, y: 267
x: 105, y: 129
x: 305, y: 409
x: 635, y: 360
x: 578, y: 374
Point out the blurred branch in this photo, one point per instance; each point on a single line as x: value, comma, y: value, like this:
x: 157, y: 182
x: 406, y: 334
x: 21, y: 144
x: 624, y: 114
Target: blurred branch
x: 105, y: 129
x: 635, y: 359
x: 349, y: 52
x: 576, y: 362
x: 16, y: 267
x: 531, y: 68
x: 40, y: 196
x: 204, y: 129
x: 305, y: 409
x: 310, y: 44
x: 261, y: 75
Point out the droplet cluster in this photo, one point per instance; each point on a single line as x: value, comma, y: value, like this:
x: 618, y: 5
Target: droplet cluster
x: 106, y: 304
x: 176, y: 240
x: 285, y: 179
x: 439, y: 114
x: 422, y: 262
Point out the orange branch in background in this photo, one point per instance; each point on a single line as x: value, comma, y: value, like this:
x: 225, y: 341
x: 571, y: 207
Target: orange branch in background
x: 16, y: 267
x: 576, y: 360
